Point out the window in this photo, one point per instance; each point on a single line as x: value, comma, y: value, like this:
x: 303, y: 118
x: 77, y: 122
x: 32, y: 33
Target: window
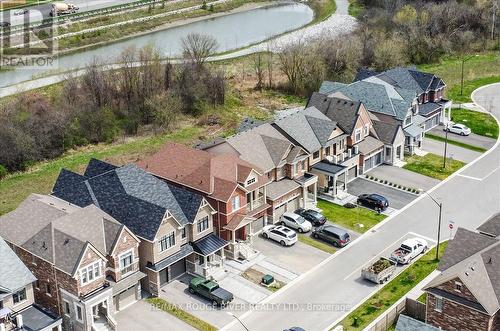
x: 37, y: 284
x: 408, y: 120
x: 367, y: 129
x: 357, y: 135
x: 91, y: 272
x: 66, y: 307
x: 48, y: 289
x: 203, y: 224
x: 183, y: 233
x: 458, y: 286
x: 236, y: 202
x: 251, y: 181
x: 327, y: 151
x: 126, y: 260
x: 439, y: 304
x: 167, y: 241
x: 316, y: 155
x: 79, y: 312
x: 19, y: 296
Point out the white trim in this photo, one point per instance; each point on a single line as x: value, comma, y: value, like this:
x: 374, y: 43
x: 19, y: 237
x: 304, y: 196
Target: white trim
x: 64, y: 307
x: 166, y: 236
x: 76, y: 312
x: 92, y: 264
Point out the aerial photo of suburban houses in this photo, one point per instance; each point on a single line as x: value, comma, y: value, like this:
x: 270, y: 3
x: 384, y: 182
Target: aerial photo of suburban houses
x: 249, y: 165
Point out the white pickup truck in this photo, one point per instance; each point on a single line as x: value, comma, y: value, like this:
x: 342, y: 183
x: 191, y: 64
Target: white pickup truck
x: 409, y: 249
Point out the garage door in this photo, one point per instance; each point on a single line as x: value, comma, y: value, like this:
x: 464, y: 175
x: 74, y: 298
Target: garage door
x: 373, y: 161
x: 177, y: 269
x: 257, y: 225
x: 278, y: 212
x: 127, y: 298
x: 352, y: 173
x: 292, y: 205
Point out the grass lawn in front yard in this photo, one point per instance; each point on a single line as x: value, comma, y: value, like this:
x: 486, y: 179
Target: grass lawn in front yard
x: 181, y: 314
x: 480, y: 123
x: 392, y: 291
x: 350, y: 218
x: 469, y: 87
x: 308, y: 240
x: 255, y: 276
x: 431, y: 165
x: 456, y: 143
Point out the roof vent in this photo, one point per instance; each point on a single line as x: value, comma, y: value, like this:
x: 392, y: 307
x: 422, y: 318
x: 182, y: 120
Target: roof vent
x: 44, y: 245
x: 472, y: 268
x: 490, y: 261
x: 466, y: 273
x: 201, y: 181
x: 66, y: 241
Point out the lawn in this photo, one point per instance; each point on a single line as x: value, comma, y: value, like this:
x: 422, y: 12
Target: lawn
x: 355, y: 8
x: 181, y: 314
x: 456, y: 143
x: 350, y: 218
x: 431, y: 165
x: 478, y: 70
x: 308, y: 240
x: 392, y: 291
x: 480, y: 123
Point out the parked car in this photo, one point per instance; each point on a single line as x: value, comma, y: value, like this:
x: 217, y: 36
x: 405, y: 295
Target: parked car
x: 313, y: 216
x: 296, y: 222
x: 374, y: 201
x: 4, y: 24
x: 331, y: 234
x: 458, y: 129
x: 380, y: 271
x: 295, y: 328
x: 409, y: 249
x: 21, y: 12
x: 280, y: 233
x: 210, y: 290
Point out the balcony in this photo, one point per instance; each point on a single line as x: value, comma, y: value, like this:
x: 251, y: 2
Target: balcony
x: 124, y: 272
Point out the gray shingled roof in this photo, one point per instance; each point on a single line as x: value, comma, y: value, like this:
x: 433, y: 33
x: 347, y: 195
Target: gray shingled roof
x: 15, y: 275
x: 406, y: 323
x: 386, y: 131
x: 342, y: 111
x: 491, y: 226
x: 428, y: 108
x: 474, y: 259
x: 277, y: 189
x: 133, y: 197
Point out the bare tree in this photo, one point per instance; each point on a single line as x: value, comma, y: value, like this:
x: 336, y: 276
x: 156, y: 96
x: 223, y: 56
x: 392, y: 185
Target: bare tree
x: 258, y: 66
x: 198, y: 47
x: 291, y: 60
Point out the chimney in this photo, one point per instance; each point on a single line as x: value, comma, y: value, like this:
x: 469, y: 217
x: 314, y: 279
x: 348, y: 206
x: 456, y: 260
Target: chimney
x: 19, y: 321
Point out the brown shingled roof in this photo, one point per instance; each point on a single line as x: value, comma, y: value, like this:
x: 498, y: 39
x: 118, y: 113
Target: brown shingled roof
x: 215, y: 175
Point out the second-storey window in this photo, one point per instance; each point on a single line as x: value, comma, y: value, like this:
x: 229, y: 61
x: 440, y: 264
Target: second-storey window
x: 251, y: 181
x: 19, y: 296
x: 167, y: 241
x: 91, y: 272
x: 439, y: 304
x: 126, y: 260
x: 203, y: 224
x: 367, y: 129
x: 236, y: 202
x: 183, y: 233
x: 316, y: 155
x: 357, y: 135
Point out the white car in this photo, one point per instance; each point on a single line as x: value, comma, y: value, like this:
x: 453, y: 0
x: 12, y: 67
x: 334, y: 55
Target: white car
x: 409, y: 249
x: 21, y: 12
x: 280, y: 233
x: 296, y: 222
x: 458, y: 129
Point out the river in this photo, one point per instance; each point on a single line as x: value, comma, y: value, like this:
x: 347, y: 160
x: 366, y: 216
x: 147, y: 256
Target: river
x: 231, y: 31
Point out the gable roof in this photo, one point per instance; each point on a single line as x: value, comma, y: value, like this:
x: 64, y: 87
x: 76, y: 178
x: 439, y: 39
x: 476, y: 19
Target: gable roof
x: 386, y: 131
x: 343, y: 111
x: 216, y: 175
x: 406, y: 323
x: 308, y: 128
x: 474, y: 259
x: 58, y: 231
x: 15, y: 275
x: 491, y: 227
x: 135, y: 198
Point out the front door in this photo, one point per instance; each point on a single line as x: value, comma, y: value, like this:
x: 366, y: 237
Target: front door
x: 163, y: 276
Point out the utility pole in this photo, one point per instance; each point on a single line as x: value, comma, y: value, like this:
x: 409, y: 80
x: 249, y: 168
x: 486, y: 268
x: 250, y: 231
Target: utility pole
x: 445, y: 147
x: 493, y: 19
x: 439, y: 230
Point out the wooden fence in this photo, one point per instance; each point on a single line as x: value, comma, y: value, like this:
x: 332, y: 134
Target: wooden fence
x: 409, y: 307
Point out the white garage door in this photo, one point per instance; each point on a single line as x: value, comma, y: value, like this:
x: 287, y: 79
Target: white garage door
x: 127, y: 298
x: 278, y: 212
x: 292, y: 205
x: 257, y: 225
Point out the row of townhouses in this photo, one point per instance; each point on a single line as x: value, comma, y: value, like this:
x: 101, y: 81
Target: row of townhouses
x: 104, y: 236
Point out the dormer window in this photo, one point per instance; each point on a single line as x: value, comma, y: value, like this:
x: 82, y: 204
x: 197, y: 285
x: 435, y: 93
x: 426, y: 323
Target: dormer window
x: 251, y: 181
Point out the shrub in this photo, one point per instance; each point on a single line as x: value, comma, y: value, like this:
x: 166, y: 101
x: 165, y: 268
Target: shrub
x: 3, y: 171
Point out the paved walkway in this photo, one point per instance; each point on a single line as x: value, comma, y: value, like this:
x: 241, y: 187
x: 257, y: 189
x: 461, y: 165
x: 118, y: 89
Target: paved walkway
x: 141, y: 316
x: 472, y: 139
x: 404, y: 177
x: 452, y: 151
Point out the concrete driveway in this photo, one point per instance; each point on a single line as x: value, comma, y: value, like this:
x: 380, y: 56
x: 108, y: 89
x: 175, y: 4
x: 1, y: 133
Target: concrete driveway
x: 404, y: 177
x: 452, y: 151
x: 472, y: 139
x: 397, y: 198
x: 141, y: 316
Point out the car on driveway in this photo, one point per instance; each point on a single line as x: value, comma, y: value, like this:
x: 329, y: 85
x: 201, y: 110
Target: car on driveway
x: 280, y: 233
x: 331, y: 234
x: 21, y: 12
x: 374, y: 201
x: 4, y: 24
x: 313, y: 216
x: 409, y: 249
x: 296, y: 222
x: 458, y: 129
x: 210, y: 290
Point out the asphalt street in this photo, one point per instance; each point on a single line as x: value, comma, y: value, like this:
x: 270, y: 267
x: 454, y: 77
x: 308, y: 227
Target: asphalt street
x: 452, y: 151
x: 320, y: 298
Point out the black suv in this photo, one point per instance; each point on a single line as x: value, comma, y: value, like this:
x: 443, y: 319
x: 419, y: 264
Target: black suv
x: 331, y: 234
x: 374, y: 201
x: 313, y: 216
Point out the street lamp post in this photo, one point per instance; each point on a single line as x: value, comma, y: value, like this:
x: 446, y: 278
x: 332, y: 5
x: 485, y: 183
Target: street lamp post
x: 236, y: 317
x: 440, y: 205
x: 465, y: 59
x: 445, y: 147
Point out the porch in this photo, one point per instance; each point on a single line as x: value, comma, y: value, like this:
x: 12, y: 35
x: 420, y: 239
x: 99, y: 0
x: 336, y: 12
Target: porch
x: 101, y: 319
x: 241, y: 230
x: 413, y: 138
x: 332, y: 178
x: 309, y: 185
x: 208, y: 258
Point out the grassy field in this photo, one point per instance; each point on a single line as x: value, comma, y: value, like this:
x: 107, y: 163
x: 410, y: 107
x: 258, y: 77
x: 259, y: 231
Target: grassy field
x: 355, y: 8
x: 479, y: 123
x: 432, y: 165
x: 478, y: 70
x: 456, y: 143
x: 350, y: 218
x: 308, y: 240
x: 392, y: 291
x: 194, y: 321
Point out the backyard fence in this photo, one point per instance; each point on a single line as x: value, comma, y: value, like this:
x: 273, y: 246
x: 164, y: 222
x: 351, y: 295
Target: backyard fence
x: 409, y: 307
